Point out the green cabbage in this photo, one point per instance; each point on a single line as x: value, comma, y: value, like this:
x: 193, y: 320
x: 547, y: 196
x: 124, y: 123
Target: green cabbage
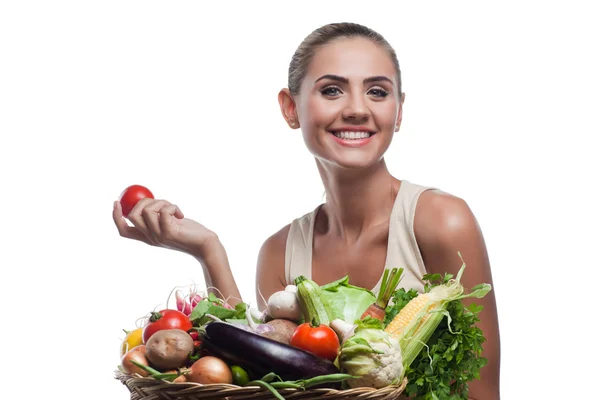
x: 347, y: 302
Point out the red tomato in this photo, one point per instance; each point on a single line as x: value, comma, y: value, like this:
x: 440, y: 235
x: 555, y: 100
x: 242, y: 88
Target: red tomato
x: 131, y: 196
x: 321, y: 340
x: 166, y: 319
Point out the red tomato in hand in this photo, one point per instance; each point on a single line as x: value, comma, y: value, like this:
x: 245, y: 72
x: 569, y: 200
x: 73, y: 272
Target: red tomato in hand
x: 320, y: 340
x: 131, y: 196
x: 166, y: 319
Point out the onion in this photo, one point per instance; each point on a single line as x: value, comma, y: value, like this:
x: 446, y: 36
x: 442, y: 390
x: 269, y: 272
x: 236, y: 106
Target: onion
x: 257, y: 328
x: 136, y: 354
x: 209, y: 369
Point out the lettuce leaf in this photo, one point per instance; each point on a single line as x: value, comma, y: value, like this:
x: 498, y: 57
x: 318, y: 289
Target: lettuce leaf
x: 347, y: 302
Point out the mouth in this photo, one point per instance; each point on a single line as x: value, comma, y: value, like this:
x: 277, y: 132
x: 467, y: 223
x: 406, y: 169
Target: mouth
x: 352, y: 135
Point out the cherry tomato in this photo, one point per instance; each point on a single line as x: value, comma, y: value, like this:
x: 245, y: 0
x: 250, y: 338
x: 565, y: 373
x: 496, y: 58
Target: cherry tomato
x: 165, y: 319
x: 320, y: 340
x: 131, y: 196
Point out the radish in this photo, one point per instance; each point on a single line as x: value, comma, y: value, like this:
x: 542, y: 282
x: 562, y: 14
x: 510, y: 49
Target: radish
x: 186, y: 304
x: 195, y: 298
x: 182, y: 304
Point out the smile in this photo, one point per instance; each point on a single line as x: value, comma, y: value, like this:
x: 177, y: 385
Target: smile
x: 352, y: 135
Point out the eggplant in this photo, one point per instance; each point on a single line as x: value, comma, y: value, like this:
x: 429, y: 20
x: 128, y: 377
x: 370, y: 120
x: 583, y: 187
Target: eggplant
x: 262, y: 355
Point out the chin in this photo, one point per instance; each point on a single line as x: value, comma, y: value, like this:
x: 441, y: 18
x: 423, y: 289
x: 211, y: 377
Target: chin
x: 357, y: 162
x: 331, y: 154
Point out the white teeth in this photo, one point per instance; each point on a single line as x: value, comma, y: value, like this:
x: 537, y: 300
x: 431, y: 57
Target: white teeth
x: 352, y: 135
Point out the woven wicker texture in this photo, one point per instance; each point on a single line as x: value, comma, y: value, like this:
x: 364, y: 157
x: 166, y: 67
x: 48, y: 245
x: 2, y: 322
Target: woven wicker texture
x: 153, y: 389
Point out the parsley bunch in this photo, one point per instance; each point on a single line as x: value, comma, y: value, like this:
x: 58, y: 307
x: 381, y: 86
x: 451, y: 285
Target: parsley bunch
x: 452, y: 357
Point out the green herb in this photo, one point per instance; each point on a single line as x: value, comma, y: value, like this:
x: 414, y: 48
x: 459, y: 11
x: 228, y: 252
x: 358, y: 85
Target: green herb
x: 452, y: 357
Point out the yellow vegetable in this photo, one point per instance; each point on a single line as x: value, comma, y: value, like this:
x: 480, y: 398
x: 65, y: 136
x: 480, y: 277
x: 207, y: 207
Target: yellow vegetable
x: 132, y: 339
x: 408, y: 314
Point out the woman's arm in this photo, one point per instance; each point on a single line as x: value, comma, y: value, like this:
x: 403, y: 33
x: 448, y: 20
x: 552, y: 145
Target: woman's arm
x: 445, y: 225
x: 217, y: 271
x: 162, y: 224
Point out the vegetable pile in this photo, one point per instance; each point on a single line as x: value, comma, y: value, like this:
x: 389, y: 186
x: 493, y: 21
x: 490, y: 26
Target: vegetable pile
x: 335, y: 335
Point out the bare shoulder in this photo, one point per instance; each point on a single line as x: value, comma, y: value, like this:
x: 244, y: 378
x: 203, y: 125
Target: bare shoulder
x: 445, y: 225
x: 273, y: 249
x: 443, y: 218
x: 270, y: 269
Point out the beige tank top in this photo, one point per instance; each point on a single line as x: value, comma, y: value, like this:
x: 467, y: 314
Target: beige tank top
x: 402, y: 250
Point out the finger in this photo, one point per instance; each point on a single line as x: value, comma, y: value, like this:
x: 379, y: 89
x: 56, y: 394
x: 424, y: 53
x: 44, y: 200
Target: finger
x: 166, y: 214
x: 137, y: 219
x: 151, y: 215
x: 124, y: 229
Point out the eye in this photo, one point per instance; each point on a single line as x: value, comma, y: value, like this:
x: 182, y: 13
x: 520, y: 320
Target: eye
x: 331, y: 91
x: 378, y: 92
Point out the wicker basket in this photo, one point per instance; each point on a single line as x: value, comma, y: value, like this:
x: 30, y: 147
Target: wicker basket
x: 152, y: 389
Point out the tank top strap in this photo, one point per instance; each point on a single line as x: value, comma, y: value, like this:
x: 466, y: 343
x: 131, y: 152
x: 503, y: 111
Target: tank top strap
x: 403, y: 250
x: 299, y: 246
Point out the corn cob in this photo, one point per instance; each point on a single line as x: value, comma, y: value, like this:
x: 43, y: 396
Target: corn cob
x: 396, y: 327
x: 414, y: 325
x: 416, y: 322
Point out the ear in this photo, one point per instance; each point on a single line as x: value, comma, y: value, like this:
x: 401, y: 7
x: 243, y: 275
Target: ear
x: 287, y: 104
x: 399, y: 116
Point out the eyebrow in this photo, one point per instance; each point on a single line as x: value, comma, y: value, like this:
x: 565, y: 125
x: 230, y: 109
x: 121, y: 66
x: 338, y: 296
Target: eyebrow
x: 345, y: 80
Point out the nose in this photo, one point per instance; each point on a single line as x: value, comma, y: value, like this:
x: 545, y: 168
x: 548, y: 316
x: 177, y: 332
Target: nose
x: 356, y: 108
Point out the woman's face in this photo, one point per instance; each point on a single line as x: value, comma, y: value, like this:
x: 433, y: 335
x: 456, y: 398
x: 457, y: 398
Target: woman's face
x: 348, y: 105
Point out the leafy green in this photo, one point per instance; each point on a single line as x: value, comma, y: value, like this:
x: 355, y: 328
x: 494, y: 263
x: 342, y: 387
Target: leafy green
x: 369, y: 322
x: 452, y: 357
x: 347, y: 302
x: 214, y: 306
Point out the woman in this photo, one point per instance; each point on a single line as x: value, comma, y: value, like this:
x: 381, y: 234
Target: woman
x: 345, y: 95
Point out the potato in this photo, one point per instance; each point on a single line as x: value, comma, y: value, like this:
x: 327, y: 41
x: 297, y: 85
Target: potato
x: 169, y: 348
x: 285, y: 327
x: 275, y: 335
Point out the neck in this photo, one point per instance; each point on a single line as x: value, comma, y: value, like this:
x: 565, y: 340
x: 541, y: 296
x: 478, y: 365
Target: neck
x: 356, y: 199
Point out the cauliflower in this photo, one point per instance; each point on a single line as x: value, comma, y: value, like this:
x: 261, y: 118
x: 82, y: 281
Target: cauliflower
x: 373, y: 355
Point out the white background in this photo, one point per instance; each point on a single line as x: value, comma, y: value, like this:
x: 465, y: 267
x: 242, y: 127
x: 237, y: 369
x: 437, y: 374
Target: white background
x: 501, y: 110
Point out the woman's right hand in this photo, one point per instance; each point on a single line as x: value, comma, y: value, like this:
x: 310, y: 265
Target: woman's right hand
x: 160, y: 223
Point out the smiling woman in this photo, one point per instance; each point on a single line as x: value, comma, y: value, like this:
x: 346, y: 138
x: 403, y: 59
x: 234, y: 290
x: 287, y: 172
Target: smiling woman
x: 345, y: 96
